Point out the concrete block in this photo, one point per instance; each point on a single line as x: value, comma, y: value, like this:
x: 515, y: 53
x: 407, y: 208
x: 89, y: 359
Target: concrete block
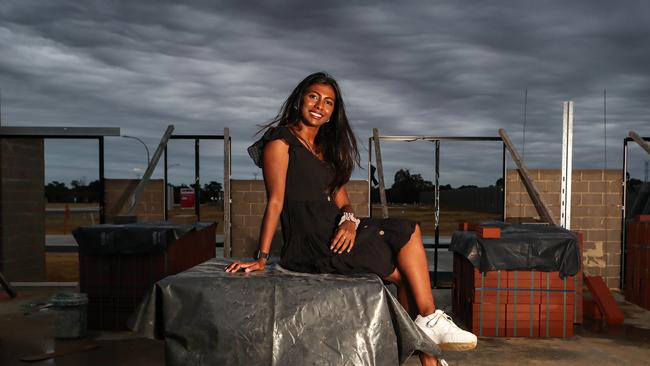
x: 240, y: 208
x: 592, y: 199
x: 598, y: 186
x: 614, y: 199
x: 237, y: 185
x: 597, y: 212
x: 592, y: 175
x: 258, y: 186
x: 252, y: 221
x: 579, y: 186
x: 254, y: 197
x: 552, y: 175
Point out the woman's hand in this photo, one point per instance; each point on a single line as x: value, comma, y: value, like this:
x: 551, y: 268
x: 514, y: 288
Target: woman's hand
x: 247, y: 266
x: 344, y: 238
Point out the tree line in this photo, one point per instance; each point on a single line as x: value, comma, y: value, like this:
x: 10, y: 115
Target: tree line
x: 78, y: 191
x: 407, y: 187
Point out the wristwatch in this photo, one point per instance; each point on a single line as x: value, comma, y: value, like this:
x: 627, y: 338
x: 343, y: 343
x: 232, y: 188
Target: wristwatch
x: 260, y: 254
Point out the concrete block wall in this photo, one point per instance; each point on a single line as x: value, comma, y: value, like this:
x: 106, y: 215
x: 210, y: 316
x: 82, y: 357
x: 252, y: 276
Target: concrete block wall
x: 596, y: 211
x: 22, y: 209
x: 151, y: 206
x: 249, y: 202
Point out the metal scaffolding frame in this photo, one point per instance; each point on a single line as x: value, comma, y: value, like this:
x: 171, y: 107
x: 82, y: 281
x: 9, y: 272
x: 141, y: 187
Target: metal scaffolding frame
x: 78, y: 133
x: 643, y: 143
x: 227, y: 169
x: 376, y: 138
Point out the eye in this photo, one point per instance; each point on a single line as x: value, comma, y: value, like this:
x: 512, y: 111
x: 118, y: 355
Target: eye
x: 313, y: 96
x: 329, y: 102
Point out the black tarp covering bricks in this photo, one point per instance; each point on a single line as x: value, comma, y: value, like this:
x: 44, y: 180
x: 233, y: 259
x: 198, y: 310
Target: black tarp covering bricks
x: 144, y: 237
x: 277, y: 317
x: 521, y: 247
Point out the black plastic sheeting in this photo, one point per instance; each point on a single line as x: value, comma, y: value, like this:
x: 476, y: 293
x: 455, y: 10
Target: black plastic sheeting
x: 521, y: 247
x: 144, y: 237
x: 277, y: 317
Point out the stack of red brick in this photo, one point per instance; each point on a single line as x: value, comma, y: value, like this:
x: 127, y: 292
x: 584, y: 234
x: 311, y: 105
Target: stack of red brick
x: 637, y: 271
x: 516, y: 303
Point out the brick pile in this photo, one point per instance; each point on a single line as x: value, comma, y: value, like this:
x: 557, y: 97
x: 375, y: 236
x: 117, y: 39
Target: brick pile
x: 515, y: 303
x: 637, y: 272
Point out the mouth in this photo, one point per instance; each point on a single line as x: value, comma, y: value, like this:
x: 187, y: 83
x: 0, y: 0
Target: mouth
x: 315, y: 114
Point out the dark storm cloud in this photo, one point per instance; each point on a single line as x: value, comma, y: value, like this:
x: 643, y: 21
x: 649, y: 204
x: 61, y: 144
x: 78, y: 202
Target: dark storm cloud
x: 439, y: 68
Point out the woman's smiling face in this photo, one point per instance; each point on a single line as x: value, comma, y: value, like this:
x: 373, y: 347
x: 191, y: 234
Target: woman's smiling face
x: 317, y: 104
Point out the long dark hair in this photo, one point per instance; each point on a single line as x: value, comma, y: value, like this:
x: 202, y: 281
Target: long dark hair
x: 335, y: 138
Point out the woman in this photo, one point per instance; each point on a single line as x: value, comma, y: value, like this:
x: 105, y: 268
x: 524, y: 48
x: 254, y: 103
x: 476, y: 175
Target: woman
x: 307, y: 154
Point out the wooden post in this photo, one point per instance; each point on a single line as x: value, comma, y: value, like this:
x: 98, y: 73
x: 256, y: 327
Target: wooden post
x: 380, y: 174
x: 531, y: 188
x: 7, y: 286
x: 147, y: 174
x: 227, y: 249
x: 639, y: 140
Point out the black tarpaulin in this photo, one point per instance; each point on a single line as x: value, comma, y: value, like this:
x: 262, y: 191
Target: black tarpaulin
x: 277, y: 317
x: 143, y: 237
x: 521, y: 247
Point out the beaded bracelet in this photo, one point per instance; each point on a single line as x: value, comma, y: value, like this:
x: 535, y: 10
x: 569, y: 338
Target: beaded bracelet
x: 349, y: 216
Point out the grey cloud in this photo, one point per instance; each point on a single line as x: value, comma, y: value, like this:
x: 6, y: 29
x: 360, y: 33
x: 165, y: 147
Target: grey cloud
x: 442, y: 68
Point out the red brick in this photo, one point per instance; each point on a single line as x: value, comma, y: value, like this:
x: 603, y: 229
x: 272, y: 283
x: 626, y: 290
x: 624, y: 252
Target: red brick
x: 522, y: 320
x: 488, y: 232
x: 642, y: 218
x: 488, y: 320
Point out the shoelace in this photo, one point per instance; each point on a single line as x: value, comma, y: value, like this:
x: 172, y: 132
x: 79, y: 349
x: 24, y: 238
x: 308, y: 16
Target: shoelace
x: 437, y: 318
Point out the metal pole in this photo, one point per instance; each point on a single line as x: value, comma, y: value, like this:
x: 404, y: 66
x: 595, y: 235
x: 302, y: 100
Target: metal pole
x: 504, y: 172
x: 370, y: 177
x: 380, y: 174
x: 165, y: 180
x: 197, y: 181
x: 102, y: 185
x: 143, y: 144
x: 436, y: 217
x: 227, y: 247
x: 567, y: 165
x: 623, y: 219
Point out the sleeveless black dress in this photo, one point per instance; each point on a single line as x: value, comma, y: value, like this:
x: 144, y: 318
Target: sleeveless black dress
x: 310, y: 218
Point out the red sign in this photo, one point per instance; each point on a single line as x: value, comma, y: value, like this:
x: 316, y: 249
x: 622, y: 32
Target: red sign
x: 187, y: 198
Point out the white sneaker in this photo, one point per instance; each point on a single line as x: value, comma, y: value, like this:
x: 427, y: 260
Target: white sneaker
x: 443, y: 332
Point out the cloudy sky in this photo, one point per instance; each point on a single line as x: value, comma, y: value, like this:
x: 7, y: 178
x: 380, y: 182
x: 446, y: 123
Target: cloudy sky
x: 446, y: 68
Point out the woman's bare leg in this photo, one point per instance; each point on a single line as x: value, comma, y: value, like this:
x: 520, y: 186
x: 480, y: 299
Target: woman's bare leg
x: 412, y: 264
x: 404, y: 295
x: 428, y: 360
x: 405, y: 298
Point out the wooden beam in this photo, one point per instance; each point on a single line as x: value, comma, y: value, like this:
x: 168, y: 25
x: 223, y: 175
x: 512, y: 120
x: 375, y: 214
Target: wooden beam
x: 147, y: 174
x: 531, y: 188
x: 380, y: 174
x: 639, y: 140
x: 7, y: 286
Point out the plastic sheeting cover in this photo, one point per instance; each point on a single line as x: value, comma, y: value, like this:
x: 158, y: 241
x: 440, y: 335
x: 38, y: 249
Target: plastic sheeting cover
x: 521, y: 247
x: 277, y: 317
x: 143, y: 237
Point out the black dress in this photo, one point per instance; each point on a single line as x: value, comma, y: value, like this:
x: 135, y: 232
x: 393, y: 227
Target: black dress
x: 310, y: 218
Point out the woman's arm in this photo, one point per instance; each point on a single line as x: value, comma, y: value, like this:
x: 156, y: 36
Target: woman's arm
x: 342, y: 200
x: 343, y: 240
x: 275, y: 164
